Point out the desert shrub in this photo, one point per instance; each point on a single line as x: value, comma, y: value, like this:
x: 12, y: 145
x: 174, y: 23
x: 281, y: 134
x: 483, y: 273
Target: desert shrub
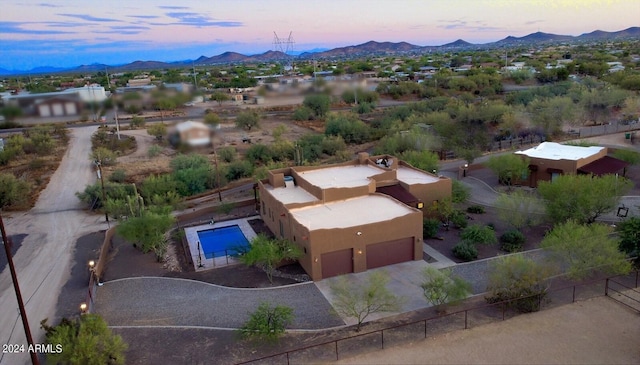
x: 348, y: 126
x: 332, y: 144
x: 475, y: 209
x: 459, y: 219
x: 430, y: 227
x: 512, y: 241
x: 118, y: 176
x: 459, y: 192
x: 13, y: 191
x: 238, y: 169
x: 259, y: 153
x: 318, y: 104
x: 227, y: 154
x: 154, y: 151
x: 137, y: 122
x: 247, y: 120
x: 303, y: 113
x: 465, y: 250
x: 479, y: 234
x: 520, y: 281
x: 36, y: 163
x: 364, y: 108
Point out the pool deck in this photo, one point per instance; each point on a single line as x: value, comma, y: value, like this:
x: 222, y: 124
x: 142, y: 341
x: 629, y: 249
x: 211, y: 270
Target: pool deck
x: 202, y: 263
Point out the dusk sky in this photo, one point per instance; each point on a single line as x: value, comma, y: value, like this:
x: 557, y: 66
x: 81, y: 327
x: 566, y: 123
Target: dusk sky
x: 68, y: 33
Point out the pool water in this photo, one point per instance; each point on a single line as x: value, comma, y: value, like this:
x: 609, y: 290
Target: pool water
x: 223, y: 241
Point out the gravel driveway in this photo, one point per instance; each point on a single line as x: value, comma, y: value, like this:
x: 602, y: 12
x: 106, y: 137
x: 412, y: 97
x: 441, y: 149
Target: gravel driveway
x: 155, y: 301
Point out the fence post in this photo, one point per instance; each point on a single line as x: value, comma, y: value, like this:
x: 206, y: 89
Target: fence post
x: 606, y: 287
x: 425, y: 326
x: 504, y: 305
x: 287, y: 357
x: 382, y: 335
x: 465, y: 323
x: 573, y: 297
x: 337, y: 358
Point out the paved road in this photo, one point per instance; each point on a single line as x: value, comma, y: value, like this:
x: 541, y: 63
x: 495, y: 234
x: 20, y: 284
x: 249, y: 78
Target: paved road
x: 43, y: 261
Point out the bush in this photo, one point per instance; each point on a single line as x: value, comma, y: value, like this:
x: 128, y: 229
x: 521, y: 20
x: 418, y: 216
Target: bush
x: 520, y: 281
x: 154, y: 151
x: 475, y: 209
x: 137, y: 122
x: 512, y: 241
x: 302, y: 114
x: 430, y: 227
x: 465, y: 250
x: 479, y: 234
x: 104, y: 155
x: 227, y: 154
x: 13, y: 191
x: 459, y: 192
x: 349, y: 127
x: 118, y: 176
x: 238, y: 169
x: 331, y: 145
x: 459, y: 219
x: 247, y: 120
x: 259, y: 153
x: 318, y: 104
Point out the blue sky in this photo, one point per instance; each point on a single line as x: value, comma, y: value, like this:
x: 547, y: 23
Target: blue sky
x: 67, y: 33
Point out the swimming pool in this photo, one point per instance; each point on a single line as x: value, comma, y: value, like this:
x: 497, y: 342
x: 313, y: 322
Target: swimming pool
x: 222, y: 241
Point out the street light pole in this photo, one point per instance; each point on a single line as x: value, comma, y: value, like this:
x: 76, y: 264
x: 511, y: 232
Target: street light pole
x: 14, y: 277
x: 104, y: 196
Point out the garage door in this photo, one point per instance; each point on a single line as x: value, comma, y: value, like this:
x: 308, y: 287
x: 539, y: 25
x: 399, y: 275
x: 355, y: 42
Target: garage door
x: 389, y: 252
x: 337, y: 263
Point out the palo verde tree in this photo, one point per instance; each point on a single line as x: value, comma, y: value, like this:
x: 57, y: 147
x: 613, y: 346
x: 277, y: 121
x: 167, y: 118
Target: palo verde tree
x: 84, y: 341
x: 581, y: 249
x: 520, y: 209
x: 267, y: 322
x: 629, y: 233
x: 441, y: 287
x: 247, y: 120
x: 359, y: 300
x: 268, y: 253
x: 582, y: 198
x: 519, y: 281
x: 147, y: 231
x: 318, y: 103
x: 509, y: 168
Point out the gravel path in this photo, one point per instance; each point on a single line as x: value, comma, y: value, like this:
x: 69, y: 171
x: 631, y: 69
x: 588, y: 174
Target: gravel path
x: 154, y: 301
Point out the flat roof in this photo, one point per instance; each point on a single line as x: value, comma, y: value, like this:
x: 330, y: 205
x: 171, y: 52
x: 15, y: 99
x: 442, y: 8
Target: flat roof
x: 411, y: 176
x: 557, y: 151
x: 351, y: 212
x: 340, y: 176
x: 291, y: 194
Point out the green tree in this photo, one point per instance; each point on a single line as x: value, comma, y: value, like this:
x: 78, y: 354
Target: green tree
x: 193, y: 174
x: 137, y: 122
x: 582, y: 249
x: 212, y: 119
x: 247, y: 120
x: 358, y: 301
x: 347, y: 126
x: 11, y: 112
x: 582, y: 198
x: 84, y: 341
x: 460, y: 193
x: 629, y: 233
x: 519, y: 209
x: 268, y: 253
x: 220, y: 97
x: 441, y: 287
x: 14, y: 192
x: 318, y: 103
x: 632, y: 157
x: 267, y: 322
x: 158, y: 130
x: 510, y: 168
x: 148, y: 232
x: 104, y: 156
x: 423, y: 160
x: 259, y: 153
x: 520, y: 281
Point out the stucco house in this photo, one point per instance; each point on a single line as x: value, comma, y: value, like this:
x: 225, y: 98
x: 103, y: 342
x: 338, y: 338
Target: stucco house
x: 352, y: 216
x: 195, y: 134
x: 549, y: 160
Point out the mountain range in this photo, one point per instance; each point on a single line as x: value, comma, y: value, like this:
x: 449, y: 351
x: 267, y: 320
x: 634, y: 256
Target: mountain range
x: 366, y: 49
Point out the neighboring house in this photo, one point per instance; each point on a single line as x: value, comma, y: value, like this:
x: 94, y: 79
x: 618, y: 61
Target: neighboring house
x: 352, y: 216
x: 194, y: 133
x: 58, y: 106
x: 549, y: 160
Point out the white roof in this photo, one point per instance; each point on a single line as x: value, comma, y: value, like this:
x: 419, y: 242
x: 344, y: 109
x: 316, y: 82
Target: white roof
x: 411, y: 176
x: 351, y: 212
x: 181, y: 127
x: 291, y: 194
x: 557, y: 151
x: 340, y: 176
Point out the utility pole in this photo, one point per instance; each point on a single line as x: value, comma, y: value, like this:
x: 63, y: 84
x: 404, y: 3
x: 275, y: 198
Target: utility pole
x: 14, y: 277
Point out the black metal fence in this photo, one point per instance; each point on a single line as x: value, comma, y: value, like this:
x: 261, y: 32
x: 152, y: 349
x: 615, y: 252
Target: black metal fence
x: 461, y: 319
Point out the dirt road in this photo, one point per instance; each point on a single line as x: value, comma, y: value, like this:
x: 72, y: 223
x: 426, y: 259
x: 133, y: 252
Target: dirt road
x: 595, y: 331
x: 43, y: 261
